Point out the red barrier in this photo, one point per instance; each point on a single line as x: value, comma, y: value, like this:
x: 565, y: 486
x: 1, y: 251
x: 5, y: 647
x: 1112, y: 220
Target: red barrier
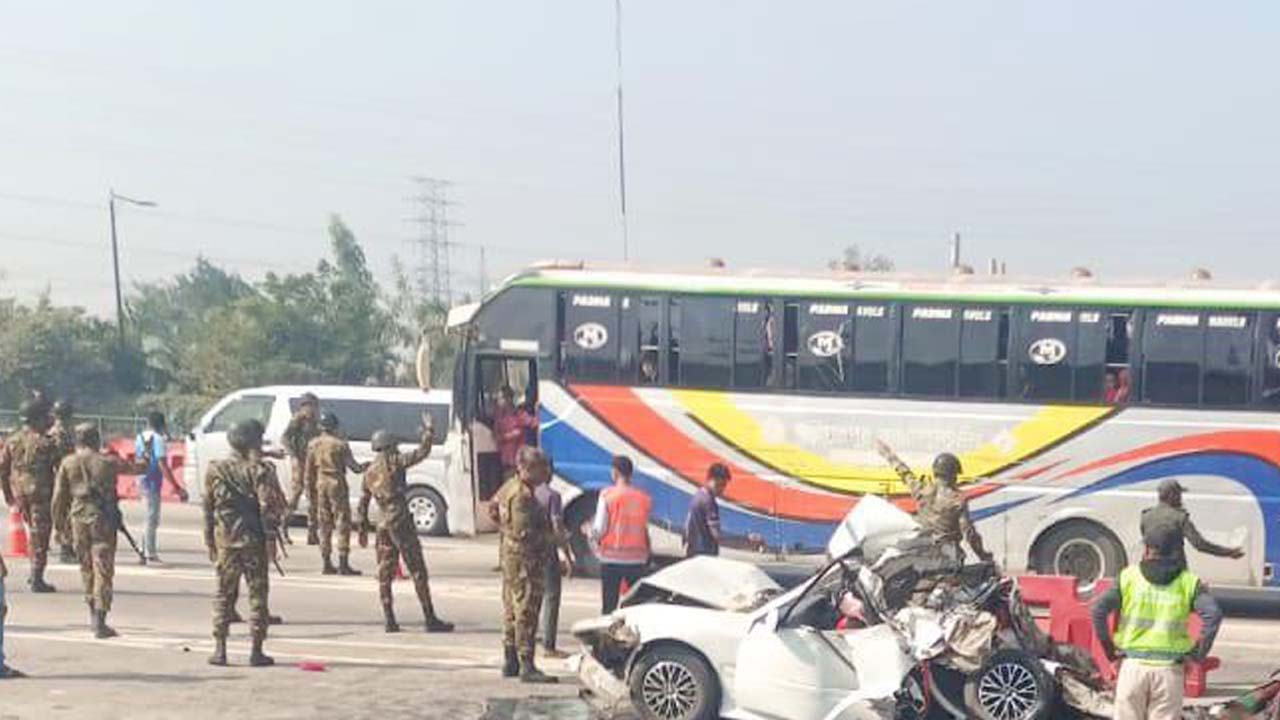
x: 127, y: 485
x: 1068, y: 621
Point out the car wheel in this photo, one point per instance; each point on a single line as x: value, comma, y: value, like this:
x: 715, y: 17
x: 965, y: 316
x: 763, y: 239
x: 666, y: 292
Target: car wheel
x: 674, y: 683
x: 1010, y: 685
x: 1083, y: 550
x: 427, y: 509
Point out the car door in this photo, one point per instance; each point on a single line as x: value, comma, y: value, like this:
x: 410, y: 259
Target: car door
x: 792, y: 672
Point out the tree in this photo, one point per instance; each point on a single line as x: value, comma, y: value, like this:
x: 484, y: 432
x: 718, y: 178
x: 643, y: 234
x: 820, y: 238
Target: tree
x: 421, y: 320
x: 852, y: 260
x: 56, y: 349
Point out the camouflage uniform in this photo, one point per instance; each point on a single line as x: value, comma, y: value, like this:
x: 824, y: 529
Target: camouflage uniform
x: 275, y: 507
x: 65, y: 438
x: 526, y: 540
x: 26, y: 470
x: 297, y: 436
x: 237, y: 522
x: 943, y: 511
x: 328, y: 460
x: 87, y: 511
x: 397, y: 537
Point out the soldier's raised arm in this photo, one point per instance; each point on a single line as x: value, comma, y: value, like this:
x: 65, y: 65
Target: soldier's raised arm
x: 423, y: 451
x: 900, y: 467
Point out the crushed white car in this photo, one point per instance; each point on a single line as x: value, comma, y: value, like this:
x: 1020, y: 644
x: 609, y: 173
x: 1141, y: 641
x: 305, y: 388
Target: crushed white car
x: 891, y: 628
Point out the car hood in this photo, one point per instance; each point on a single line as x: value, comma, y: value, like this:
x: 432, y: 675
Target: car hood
x: 716, y: 582
x: 873, y: 520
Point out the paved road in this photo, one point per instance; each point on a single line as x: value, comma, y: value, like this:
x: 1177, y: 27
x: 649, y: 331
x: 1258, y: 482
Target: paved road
x: 158, y: 663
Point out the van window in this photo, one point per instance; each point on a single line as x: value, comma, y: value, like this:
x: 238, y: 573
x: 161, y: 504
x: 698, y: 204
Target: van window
x: 359, y: 419
x: 248, y: 407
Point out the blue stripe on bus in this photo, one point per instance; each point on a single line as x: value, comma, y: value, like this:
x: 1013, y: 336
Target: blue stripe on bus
x: 1260, y: 477
x: 584, y: 464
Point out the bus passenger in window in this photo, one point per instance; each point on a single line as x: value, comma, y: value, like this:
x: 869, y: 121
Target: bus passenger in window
x: 510, y: 423
x: 1116, y: 387
x: 769, y: 329
x: 649, y: 368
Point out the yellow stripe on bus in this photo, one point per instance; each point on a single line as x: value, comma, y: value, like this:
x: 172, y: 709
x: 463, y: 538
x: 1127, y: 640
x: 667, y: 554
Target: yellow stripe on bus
x: 717, y: 411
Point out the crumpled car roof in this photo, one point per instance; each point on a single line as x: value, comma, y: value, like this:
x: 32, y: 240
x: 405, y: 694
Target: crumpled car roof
x: 714, y: 581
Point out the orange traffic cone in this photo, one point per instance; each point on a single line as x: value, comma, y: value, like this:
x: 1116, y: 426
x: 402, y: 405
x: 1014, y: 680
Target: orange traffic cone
x: 400, y: 571
x: 17, y: 546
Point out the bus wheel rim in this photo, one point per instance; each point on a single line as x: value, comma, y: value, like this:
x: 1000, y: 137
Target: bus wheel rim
x: 1082, y: 559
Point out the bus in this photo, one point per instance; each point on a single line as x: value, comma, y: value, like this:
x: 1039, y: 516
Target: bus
x: 1067, y: 402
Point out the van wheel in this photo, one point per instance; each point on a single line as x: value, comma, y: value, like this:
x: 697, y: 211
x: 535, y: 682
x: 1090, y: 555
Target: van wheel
x: 1081, y: 549
x: 582, y: 510
x: 427, y: 509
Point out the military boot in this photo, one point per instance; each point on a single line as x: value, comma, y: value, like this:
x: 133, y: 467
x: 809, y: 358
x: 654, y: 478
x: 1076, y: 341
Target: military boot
x: 510, y: 663
x: 219, y: 656
x: 257, y: 658
x: 532, y: 675
x: 312, y: 537
x: 275, y: 620
x: 433, y: 622
x: 101, y: 630
x: 344, y: 566
x: 328, y: 568
x: 389, y: 615
x: 37, y: 583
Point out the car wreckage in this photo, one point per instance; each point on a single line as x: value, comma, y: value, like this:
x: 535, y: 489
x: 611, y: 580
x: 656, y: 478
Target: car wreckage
x: 891, y: 627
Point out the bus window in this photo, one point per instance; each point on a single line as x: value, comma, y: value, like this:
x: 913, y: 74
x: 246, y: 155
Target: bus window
x: 1046, y: 353
x: 930, y: 350
x: 642, y: 345
x: 790, y: 343
x: 753, y: 346
x: 981, y: 370
x: 1271, y: 361
x: 1172, y: 347
x: 591, y: 337
x: 673, y: 342
x: 1091, y: 355
x: 1228, y: 358
x: 706, y: 335
x: 826, y: 338
x: 874, y: 338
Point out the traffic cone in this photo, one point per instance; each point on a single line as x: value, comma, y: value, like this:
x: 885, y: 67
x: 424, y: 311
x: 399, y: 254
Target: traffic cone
x: 17, y: 546
x: 400, y: 571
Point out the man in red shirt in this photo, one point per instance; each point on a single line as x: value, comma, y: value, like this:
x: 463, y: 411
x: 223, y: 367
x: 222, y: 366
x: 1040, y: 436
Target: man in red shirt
x: 509, y: 426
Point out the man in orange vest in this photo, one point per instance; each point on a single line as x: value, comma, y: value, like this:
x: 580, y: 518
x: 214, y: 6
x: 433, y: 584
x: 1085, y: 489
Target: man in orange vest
x: 621, y: 533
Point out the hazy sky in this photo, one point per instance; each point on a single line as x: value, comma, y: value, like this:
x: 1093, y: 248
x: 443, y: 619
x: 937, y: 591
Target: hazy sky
x: 1138, y: 138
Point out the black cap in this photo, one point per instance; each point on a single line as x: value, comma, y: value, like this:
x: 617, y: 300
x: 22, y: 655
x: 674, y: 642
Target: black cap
x: 1163, y: 539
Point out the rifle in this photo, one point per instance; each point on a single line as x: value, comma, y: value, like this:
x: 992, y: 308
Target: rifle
x: 117, y: 518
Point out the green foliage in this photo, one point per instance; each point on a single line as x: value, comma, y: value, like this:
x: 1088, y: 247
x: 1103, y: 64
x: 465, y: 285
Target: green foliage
x: 208, y: 331
x: 853, y: 260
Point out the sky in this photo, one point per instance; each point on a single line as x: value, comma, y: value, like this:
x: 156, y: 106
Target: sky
x: 1137, y: 138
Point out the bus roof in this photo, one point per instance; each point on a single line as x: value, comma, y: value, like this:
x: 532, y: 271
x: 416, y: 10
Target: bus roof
x: 896, y: 286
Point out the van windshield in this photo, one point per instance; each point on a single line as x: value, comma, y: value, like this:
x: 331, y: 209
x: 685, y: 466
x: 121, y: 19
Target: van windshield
x: 358, y: 420
x: 247, y: 407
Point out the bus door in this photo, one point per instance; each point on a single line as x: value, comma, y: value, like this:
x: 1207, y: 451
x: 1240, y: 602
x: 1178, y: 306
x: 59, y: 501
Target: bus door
x: 492, y: 373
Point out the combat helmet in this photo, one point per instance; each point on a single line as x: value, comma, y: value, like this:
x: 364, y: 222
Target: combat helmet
x: 383, y: 440
x: 946, y: 467
x: 245, y: 435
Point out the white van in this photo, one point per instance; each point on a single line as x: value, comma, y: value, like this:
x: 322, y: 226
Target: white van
x: 436, y: 506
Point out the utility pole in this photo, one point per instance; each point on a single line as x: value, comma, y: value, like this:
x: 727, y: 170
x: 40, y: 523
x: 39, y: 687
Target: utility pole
x: 115, y: 255
x: 432, y: 274
x: 484, y: 279
x: 622, y: 156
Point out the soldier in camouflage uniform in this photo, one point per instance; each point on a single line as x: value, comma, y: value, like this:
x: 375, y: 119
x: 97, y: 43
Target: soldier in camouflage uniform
x: 237, y: 523
x: 26, y: 476
x: 397, y: 538
x: 526, y: 537
x: 942, y: 509
x: 63, y: 433
x: 275, y: 513
x: 299, y: 433
x: 328, y: 460
x: 86, y: 511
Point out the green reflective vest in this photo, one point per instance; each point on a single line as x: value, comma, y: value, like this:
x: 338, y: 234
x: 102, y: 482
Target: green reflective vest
x: 1153, y: 618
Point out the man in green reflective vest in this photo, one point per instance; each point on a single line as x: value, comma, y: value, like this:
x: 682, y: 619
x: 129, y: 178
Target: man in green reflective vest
x: 1154, y: 599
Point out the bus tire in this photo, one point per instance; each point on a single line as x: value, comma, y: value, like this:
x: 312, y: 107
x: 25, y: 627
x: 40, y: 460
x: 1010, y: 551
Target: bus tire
x: 582, y: 510
x: 1081, y: 548
x: 427, y: 508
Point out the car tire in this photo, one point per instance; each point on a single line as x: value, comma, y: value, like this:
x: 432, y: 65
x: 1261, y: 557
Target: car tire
x: 580, y: 511
x: 670, y: 682
x: 1010, y: 685
x: 427, y: 508
x: 1080, y: 548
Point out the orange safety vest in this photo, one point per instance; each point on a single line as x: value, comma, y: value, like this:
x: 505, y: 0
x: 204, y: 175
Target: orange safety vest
x: 626, y: 539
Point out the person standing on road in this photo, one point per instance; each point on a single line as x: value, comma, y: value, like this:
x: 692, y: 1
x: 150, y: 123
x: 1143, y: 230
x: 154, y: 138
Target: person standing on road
x: 26, y: 477
x: 237, y: 522
x: 621, y: 534
x: 526, y: 538
x: 1169, y: 516
x: 397, y: 536
x: 942, y: 509
x: 559, y: 560
x: 63, y: 433
x: 276, y: 505
x: 151, y: 446
x: 328, y: 460
x: 298, y: 434
x: 86, y: 511
x: 702, y: 527
x: 6, y: 672
x: 1154, y: 599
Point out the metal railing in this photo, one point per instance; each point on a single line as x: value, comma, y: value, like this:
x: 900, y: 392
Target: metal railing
x: 109, y: 426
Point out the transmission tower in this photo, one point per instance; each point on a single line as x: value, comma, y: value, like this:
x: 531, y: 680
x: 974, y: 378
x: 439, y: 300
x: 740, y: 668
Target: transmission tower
x: 432, y: 276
